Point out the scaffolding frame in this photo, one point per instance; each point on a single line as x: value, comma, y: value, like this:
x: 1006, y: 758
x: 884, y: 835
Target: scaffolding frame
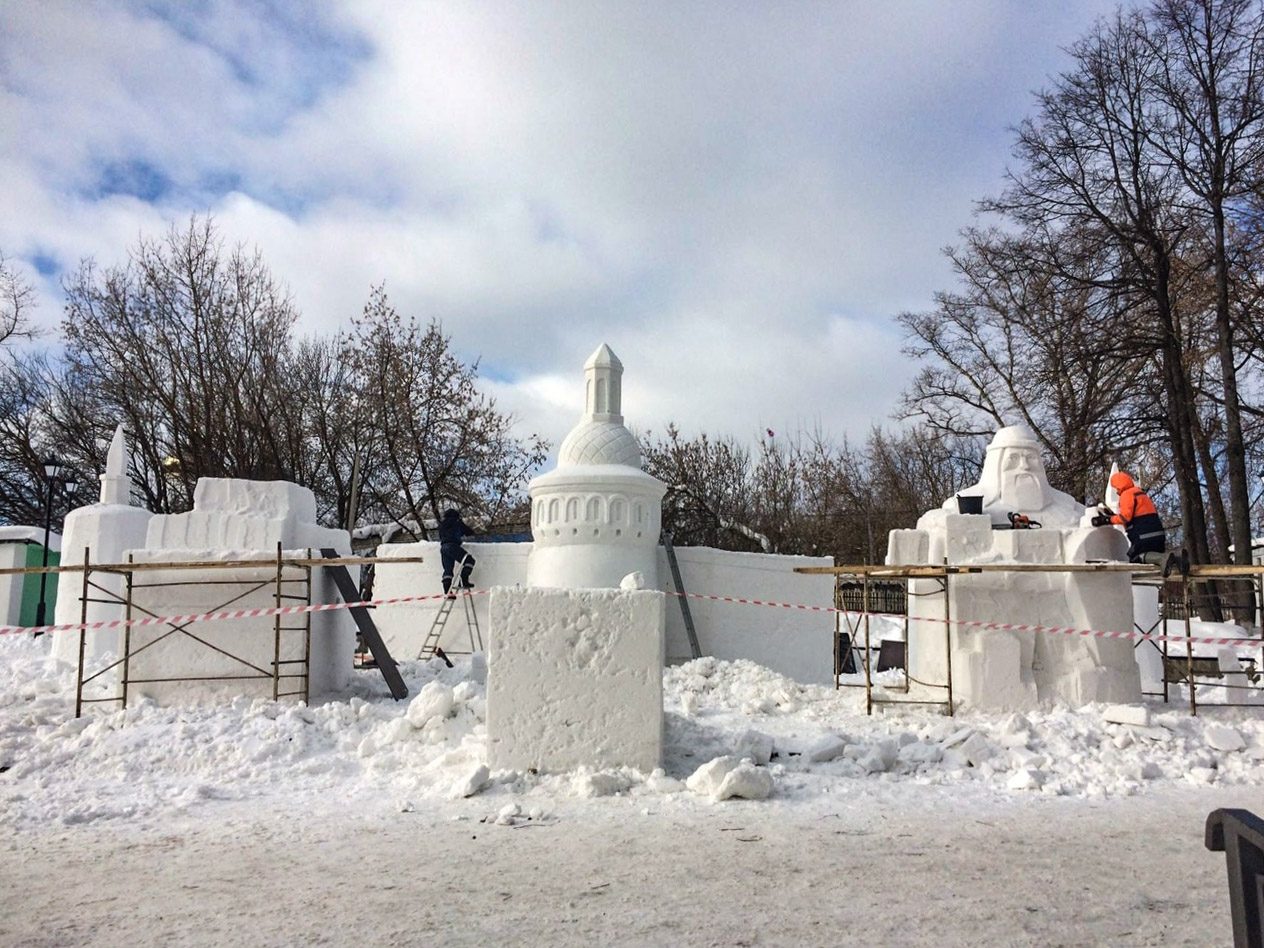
x: 284, y: 573
x: 941, y: 574
x: 1190, y: 669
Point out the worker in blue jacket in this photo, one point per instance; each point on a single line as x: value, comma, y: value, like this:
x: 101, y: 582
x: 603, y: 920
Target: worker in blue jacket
x: 452, y: 530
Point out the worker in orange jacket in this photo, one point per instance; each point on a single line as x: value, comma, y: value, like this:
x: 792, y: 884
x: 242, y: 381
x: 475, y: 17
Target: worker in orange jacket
x: 1139, y: 518
x: 1147, y: 540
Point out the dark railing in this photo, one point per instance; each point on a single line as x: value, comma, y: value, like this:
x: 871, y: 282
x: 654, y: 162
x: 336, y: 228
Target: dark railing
x: 1239, y: 834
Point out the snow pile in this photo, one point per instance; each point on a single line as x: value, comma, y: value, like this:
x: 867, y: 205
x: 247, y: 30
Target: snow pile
x: 734, y: 732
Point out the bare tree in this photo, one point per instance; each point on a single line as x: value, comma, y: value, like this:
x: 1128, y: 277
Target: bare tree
x: 1211, y: 59
x: 1088, y: 162
x: 190, y: 347
x: 804, y: 493
x: 432, y: 438
x: 17, y: 297
x: 1035, y: 334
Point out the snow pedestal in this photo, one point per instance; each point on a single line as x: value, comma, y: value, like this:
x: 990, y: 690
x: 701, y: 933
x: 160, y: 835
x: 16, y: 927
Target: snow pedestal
x: 1020, y: 670
x: 575, y: 678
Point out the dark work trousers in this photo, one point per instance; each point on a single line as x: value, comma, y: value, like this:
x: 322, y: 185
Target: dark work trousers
x: 451, y: 554
x: 1139, y: 544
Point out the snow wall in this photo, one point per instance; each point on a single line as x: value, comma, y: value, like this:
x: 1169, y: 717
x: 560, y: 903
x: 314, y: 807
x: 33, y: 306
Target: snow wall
x: 575, y: 678
x: 794, y: 642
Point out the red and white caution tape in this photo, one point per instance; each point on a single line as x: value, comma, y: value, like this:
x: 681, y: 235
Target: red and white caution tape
x: 1004, y: 626
x: 216, y: 616
x: 403, y: 600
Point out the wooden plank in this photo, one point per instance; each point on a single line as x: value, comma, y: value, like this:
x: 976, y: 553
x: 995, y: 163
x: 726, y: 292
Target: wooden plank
x: 211, y: 564
x: 368, y: 630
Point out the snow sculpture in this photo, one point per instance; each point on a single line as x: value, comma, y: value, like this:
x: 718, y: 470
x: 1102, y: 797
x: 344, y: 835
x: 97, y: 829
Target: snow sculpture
x: 994, y: 668
x: 596, y: 518
x: 107, y: 530
x: 574, y: 671
x: 236, y: 519
x: 1014, y: 480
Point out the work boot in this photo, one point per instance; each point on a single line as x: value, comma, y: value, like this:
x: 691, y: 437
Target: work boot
x: 1170, y: 562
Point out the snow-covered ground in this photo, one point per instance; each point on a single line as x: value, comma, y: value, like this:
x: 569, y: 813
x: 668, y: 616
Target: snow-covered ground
x: 368, y: 821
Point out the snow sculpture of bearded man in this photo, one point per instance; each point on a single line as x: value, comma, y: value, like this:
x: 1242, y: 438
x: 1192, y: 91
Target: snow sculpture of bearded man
x: 995, y: 668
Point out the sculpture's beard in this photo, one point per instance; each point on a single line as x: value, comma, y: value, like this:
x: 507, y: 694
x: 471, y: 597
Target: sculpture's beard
x: 1022, y: 492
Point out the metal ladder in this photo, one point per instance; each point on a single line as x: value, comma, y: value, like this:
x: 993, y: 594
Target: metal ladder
x: 430, y: 647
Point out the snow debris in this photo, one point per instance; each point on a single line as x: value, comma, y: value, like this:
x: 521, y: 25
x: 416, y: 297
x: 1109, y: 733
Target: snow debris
x: 1026, y: 779
x: 602, y: 783
x: 1223, y: 738
x: 825, y: 748
x: 659, y: 782
x: 435, y: 700
x: 147, y: 760
x: 728, y: 776
x: 508, y: 814
x: 471, y: 784
x: 746, y: 781
x: 1136, y: 714
x: 706, y: 780
x: 755, y: 745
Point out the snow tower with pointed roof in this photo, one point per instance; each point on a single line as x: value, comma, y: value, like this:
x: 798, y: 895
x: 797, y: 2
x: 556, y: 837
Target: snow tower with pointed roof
x: 597, y: 516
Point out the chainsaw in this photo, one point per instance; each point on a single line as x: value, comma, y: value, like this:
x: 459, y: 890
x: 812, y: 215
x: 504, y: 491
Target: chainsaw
x: 1018, y: 521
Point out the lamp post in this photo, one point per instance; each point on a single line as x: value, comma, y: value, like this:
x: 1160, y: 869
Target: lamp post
x: 52, y: 468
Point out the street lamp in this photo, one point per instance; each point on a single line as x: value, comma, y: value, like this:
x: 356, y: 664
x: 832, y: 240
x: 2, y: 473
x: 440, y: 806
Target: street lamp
x: 52, y: 468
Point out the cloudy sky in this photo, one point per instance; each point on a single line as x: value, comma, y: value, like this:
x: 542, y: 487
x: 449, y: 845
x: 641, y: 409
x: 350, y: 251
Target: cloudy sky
x: 737, y: 197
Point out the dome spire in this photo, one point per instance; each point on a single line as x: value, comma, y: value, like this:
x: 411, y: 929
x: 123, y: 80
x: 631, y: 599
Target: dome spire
x: 603, y: 380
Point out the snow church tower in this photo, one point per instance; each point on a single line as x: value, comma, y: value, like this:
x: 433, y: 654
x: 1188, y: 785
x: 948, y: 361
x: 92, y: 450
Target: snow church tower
x: 597, y: 517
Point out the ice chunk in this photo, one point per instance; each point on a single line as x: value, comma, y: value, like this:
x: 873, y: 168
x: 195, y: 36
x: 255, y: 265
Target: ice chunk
x: 1137, y: 715
x: 433, y: 701
x: 977, y: 749
x: 1223, y: 738
x: 826, y: 747
x: 755, y: 745
x: 473, y: 782
x: 1026, y: 779
x: 746, y: 781
x: 706, y: 780
x: 923, y: 752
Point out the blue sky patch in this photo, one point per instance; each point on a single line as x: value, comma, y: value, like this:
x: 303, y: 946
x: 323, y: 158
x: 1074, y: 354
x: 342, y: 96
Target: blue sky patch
x: 133, y: 177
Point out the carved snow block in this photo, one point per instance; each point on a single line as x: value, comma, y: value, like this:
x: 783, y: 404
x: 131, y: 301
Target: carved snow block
x: 575, y: 678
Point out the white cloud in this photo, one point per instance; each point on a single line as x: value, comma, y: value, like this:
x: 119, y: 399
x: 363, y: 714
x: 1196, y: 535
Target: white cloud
x: 737, y: 197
